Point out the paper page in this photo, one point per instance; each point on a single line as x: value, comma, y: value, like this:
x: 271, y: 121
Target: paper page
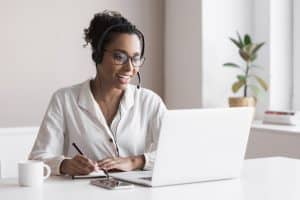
x: 94, y: 174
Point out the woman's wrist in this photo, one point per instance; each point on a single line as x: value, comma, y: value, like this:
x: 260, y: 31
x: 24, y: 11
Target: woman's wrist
x: 138, y: 162
x: 62, y: 168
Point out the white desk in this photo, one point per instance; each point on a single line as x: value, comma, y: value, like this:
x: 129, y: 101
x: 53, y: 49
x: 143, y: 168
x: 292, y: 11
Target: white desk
x: 262, y: 179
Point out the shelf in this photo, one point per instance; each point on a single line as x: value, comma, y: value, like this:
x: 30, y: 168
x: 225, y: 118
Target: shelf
x: 258, y: 125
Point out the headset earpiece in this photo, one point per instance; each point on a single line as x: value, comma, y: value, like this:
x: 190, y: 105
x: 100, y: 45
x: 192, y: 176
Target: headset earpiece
x: 96, y: 58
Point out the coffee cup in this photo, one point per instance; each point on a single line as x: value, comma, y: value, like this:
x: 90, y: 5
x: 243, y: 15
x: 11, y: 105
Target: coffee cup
x: 31, y: 173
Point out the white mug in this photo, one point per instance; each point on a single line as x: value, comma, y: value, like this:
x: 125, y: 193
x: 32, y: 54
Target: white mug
x: 31, y: 173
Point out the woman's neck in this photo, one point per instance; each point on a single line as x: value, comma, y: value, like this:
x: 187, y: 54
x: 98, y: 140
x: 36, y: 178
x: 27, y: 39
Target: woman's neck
x: 108, y: 98
x: 105, y: 93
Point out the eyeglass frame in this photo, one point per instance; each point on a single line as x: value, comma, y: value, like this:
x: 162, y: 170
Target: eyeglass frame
x: 142, y: 59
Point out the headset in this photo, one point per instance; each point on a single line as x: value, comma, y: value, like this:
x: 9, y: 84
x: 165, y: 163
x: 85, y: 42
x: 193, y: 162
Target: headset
x: 97, y: 54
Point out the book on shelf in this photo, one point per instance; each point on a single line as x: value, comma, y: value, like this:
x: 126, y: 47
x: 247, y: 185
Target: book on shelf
x: 281, y: 117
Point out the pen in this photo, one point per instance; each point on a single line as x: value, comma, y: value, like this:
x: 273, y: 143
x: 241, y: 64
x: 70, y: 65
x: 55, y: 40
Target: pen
x: 80, y: 152
x: 77, y: 148
x: 106, y: 173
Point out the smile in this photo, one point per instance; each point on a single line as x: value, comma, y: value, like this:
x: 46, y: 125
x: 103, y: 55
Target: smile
x: 124, y: 76
x: 124, y: 79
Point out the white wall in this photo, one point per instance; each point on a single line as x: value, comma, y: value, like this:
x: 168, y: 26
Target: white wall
x: 221, y: 20
x: 182, y: 53
x: 41, y: 50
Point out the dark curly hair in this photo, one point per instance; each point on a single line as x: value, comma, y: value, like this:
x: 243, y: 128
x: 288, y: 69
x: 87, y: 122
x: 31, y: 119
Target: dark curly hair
x: 102, y: 29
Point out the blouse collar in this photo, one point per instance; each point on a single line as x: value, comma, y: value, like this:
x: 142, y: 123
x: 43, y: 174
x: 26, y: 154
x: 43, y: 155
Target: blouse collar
x: 87, y: 101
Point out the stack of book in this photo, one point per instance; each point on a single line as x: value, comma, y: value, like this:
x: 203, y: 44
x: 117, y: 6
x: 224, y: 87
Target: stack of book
x: 282, y: 117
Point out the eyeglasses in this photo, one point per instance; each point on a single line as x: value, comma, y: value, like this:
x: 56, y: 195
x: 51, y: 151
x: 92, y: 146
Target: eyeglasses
x: 122, y: 58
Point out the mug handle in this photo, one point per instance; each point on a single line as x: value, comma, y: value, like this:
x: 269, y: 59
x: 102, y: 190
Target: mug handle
x: 48, y: 171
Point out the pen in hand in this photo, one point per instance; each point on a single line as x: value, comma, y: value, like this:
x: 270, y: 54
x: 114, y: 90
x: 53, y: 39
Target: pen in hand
x: 106, y: 173
x: 77, y: 148
x: 81, y: 153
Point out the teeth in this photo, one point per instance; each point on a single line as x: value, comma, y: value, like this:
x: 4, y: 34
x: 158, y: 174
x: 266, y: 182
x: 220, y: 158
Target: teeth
x: 124, y: 76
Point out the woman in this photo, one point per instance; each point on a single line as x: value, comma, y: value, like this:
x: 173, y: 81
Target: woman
x: 114, y: 123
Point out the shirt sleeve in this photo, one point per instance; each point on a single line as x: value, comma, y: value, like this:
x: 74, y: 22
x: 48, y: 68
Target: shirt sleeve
x: 155, y: 125
x: 48, y: 146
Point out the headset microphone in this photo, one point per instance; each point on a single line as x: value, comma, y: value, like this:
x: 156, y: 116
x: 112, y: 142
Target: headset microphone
x: 139, y: 77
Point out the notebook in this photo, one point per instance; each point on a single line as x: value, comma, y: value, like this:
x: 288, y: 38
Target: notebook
x: 98, y: 174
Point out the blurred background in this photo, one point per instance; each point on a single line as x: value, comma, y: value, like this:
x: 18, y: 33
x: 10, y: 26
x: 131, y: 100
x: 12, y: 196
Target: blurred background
x: 187, y: 43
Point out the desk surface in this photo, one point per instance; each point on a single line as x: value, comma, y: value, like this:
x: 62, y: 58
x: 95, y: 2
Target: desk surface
x: 262, y: 179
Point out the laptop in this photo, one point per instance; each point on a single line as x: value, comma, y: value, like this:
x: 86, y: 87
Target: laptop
x: 197, y: 145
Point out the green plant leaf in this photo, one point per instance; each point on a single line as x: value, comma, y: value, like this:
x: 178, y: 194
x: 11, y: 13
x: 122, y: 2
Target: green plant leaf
x: 236, y: 43
x: 257, y: 47
x: 241, y: 78
x: 247, y: 52
x: 247, y: 39
x: 240, y: 39
x: 237, y: 85
x: 244, y: 55
x: 247, y: 48
x: 262, y: 83
x: 231, y: 65
x: 251, y: 49
x: 253, y: 57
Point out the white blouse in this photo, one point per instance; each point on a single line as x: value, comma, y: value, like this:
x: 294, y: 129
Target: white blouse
x: 74, y: 116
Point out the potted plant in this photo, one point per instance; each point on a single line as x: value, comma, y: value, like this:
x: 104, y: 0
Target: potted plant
x: 246, y: 79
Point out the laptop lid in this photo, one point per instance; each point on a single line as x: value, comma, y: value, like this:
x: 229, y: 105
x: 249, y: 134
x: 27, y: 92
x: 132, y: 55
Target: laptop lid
x: 201, y: 144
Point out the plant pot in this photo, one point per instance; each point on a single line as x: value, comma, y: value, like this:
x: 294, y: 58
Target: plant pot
x: 242, y: 101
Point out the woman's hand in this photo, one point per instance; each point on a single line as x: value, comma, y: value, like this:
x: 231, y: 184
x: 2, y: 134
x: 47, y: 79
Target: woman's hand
x: 122, y: 163
x: 78, y: 165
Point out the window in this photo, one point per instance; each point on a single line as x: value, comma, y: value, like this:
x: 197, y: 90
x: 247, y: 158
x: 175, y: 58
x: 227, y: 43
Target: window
x: 296, y: 55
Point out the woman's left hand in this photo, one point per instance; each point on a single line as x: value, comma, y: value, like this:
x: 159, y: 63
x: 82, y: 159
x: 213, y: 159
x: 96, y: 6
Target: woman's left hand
x: 122, y: 163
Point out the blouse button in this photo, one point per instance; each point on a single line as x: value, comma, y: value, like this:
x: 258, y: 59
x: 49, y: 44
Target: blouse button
x: 110, y: 140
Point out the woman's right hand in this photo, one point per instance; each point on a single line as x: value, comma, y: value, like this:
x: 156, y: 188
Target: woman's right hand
x: 78, y: 165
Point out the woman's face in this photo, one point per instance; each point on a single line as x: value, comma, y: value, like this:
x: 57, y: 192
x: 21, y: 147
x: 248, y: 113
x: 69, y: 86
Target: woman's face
x: 113, y: 71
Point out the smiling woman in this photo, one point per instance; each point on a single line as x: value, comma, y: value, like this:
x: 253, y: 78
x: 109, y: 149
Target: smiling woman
x: 116, y: 124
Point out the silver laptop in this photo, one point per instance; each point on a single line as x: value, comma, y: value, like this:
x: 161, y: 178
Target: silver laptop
x: 197, y: 145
